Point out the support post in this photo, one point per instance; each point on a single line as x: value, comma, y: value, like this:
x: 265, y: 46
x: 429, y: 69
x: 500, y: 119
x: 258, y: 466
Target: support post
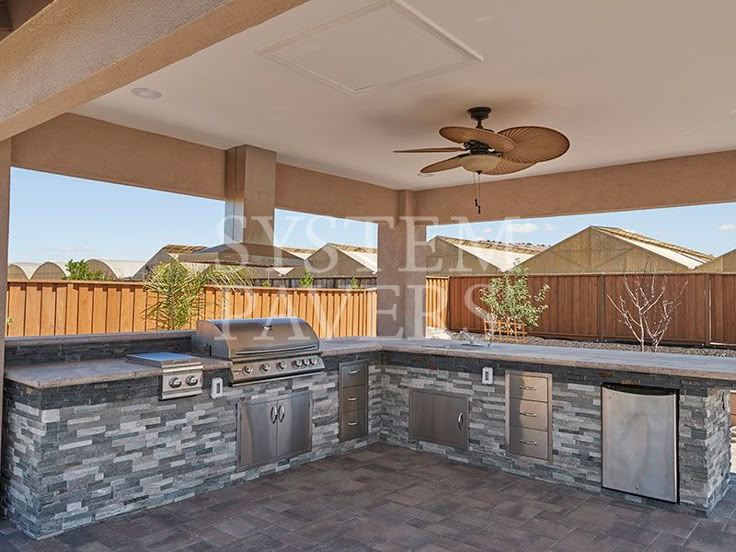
x: 4, y: 217
x: 402, y: 273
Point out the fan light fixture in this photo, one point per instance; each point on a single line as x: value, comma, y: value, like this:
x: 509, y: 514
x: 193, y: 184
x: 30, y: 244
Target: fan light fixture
x: 146, y: 93
x: 480, y: 163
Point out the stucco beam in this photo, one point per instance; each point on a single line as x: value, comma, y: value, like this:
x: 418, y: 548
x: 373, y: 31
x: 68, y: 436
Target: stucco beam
x: 679, y: 181
x: 86, y: 49
x: 83, y: 147
x: 20, y: 11
x: 319, y: 193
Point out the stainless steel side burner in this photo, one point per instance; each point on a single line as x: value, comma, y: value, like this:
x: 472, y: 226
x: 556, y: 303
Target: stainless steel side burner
x: 181, y: 375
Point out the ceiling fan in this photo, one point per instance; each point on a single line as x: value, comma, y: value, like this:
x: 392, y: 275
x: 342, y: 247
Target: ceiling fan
x: 495, y: 153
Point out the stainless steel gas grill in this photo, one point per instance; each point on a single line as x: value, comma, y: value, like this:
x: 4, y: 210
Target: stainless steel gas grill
x: 260, y: 348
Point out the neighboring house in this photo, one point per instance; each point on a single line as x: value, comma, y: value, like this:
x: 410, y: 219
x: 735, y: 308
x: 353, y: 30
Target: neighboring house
x: 115, y: 269
x: 167, y: 254
x: 334, y: 260
x: 22, y: 271
x: 50, y: 270
x: 723, y: 263
x: 454, y: 256
x: 601, y: 249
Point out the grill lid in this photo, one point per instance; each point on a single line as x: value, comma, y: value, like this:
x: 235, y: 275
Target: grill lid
x: 254, y: 337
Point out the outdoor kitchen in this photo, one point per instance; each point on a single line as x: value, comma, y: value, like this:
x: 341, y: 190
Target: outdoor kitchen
x: 168, y: 416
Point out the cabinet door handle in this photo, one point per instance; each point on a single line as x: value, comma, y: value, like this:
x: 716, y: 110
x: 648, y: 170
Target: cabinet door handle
x: 460, y: 420
x: 528, y: 414
x: 530, y: 443
x: 352, y: 398
x: 274, y: 415
x: 352, y: 424
x: 527, y: 388
x: 353, y: 372
x: 282, y: 413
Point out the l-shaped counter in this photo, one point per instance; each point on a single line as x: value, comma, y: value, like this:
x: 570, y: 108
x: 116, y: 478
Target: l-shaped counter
x: 86, y: 435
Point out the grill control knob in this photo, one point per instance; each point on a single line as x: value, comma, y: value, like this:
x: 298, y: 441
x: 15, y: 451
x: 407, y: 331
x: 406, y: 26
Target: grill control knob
x: 192, y: 381
x: 298, y: 362
x: 175, y: 382
x: 312, y: 361
x: 281, y: 365
x: 247, y: 370
x: 265, y: 367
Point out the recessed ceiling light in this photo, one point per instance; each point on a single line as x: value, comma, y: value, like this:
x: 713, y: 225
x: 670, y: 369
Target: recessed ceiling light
x: 146, y: 93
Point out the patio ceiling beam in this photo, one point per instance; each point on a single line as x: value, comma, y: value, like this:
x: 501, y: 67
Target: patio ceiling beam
x: 74, y: 51
x: 678, y: 181
x: 83, y: 147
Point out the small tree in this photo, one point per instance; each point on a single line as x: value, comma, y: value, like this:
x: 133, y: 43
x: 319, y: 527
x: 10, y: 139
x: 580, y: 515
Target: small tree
x: 307, y: 281
x: 646, y: 308
x: 80, y: 270
x: 508, y: 298
x: 179, y: 298
x: 354, y: 283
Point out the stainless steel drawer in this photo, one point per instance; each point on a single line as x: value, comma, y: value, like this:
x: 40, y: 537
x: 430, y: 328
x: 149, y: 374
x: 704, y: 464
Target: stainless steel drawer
x: 528, y: 414
x: 353, y: 373
x: 528, y: 442
x: 353, y: 424
x: 353, y: 398
x: 531, y: 388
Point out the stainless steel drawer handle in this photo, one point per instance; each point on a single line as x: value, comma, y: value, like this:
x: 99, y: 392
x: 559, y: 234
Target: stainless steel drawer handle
x: 528, y: 414
x: 352, y: 398
x: 530, y: 443
x: 353, y: 372
x: 274, y: 415
x: 527, y: 388
x: 352, y: 424
x: 282, y: 412
x: 460, y: 420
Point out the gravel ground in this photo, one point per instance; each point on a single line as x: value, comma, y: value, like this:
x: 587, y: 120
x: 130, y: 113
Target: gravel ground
x: 701, y: 351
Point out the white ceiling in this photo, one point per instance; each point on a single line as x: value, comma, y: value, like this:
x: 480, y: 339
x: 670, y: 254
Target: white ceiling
x: 625, y: 80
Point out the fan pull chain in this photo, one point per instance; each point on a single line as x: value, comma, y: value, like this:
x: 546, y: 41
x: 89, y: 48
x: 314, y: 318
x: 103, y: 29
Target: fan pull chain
x: 476, y: 182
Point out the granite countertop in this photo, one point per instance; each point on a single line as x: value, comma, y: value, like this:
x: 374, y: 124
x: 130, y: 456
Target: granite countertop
x: 62, y: 374
x: 691, y: 366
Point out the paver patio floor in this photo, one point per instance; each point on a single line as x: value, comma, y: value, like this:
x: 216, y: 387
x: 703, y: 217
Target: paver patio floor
x: 389, y: 499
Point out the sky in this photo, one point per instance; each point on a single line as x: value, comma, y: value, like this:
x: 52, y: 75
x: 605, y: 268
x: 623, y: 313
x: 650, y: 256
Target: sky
x: 59, y: 218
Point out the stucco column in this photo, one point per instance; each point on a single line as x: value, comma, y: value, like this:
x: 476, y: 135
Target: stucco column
x: 4, y: 216
x: 250, y: 190
x: 402, y: 273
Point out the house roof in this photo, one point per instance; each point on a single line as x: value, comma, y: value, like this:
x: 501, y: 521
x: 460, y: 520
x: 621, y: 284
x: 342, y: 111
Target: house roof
x: 173, y: 249
x: 26, y: 268
x: 682, y: 255
x: 120, y: 269
x: 366, y: 256
x: 505, y: 256
x: 301, y: 252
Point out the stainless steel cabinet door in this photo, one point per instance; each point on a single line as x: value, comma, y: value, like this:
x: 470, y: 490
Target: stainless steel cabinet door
x: 294, y: 424
x: 439, y: 417
x: 258, y: 432
x: 640, y: 441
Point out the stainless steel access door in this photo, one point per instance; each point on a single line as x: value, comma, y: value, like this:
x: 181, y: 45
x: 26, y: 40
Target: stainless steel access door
x: 439, y: 417
x: 258, y: 430
x: 295, y: 424
x: 640, y: 441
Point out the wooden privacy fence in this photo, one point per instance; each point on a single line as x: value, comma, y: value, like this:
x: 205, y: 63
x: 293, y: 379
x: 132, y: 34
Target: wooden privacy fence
x: 579, y: 307
x: 66, y: 307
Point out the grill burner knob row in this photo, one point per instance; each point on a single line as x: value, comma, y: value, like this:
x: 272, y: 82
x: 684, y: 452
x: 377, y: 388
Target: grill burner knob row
x: 175, y: 382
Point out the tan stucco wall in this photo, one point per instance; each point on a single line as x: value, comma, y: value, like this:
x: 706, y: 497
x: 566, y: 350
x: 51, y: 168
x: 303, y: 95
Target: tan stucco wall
x: 329, y: 262
x: 106, y: 45
x: 5, y: 165
x: 692, y: 180
x: 724, y: 263
x: 87, y: 148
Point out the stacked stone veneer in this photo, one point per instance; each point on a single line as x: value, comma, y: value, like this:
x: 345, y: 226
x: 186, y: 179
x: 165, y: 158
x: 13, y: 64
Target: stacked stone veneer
x: 73, y: 456
x: 704, y: 441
